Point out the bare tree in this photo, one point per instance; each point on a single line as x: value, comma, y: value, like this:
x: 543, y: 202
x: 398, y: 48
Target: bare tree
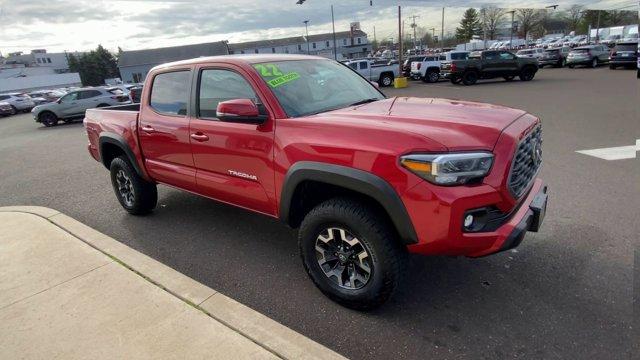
x: 528, y: 19
x: 574, y: 16
x: 491, y: 18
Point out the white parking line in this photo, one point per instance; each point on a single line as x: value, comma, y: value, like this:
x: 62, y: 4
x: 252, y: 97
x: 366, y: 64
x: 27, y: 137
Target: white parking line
x: 614, y: 153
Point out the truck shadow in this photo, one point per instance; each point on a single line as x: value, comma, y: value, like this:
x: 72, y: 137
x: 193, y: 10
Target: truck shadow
x: 494, y: 304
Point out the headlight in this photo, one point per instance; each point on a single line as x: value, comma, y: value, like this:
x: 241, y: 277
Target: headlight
x: 449, y: 169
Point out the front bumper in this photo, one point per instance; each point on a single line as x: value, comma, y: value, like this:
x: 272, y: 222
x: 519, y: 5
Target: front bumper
x: 448, y: 238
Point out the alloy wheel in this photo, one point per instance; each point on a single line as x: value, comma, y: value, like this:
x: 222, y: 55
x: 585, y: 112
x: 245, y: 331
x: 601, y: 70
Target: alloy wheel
x: 343, y: 258
x: 125, y: 187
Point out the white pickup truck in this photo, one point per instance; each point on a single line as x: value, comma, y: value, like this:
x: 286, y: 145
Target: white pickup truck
x: 428, y: 69
x: 383, y: 74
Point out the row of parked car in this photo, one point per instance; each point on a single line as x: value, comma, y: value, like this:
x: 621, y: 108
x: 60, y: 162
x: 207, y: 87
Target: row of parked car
x: 51, y: 106
x: 429, y: 68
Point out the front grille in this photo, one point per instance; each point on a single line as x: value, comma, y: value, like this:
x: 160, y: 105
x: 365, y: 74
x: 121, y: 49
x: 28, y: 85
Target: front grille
x: 526, y: 162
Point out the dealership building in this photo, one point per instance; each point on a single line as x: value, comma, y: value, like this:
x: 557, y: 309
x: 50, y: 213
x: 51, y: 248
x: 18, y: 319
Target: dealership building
x: 134, y: 65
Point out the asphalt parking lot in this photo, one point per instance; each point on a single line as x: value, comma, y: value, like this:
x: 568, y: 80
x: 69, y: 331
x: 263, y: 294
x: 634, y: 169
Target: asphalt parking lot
x: 566, y: 292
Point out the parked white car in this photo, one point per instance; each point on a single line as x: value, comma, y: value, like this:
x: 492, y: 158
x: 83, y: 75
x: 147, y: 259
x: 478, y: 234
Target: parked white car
x: 383, y: 74
x: 18, y: 101
x: 428, y: 70
x: 531, y: 53
x: 75, y: 103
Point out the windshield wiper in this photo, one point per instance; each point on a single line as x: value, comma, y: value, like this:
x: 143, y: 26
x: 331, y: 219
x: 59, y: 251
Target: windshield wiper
x: 365, y: 101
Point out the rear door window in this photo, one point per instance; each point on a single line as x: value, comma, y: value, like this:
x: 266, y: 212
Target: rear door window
x: 88, y: 94
x: 170, y: 92
x: 363, y: 65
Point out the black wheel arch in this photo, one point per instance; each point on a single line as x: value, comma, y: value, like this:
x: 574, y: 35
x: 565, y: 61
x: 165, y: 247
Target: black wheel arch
x: 355, y: 180
x: 112, y: 145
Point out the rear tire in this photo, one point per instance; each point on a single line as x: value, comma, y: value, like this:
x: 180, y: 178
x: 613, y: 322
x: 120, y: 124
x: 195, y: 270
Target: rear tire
x: 135, y: 194
x: 339, y: 240
x: 431, y: 76
x: 48, y: 119
x: 470, y: 78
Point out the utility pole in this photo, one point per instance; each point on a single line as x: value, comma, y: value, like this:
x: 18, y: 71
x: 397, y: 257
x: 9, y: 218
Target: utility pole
x: 598, y: 29
x: 306, y: 23
x: 511, y: 30
x: 433, y: 37
x: 484, y: 28
x: 333, y: 25
x: 375, y: 41
x: 400, y: 40
x: 414, y: 26
x: 442, y: 32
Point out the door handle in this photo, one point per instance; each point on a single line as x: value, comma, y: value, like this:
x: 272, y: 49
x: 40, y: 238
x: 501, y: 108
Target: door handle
x: 148, y: 129
x: 199, y: 137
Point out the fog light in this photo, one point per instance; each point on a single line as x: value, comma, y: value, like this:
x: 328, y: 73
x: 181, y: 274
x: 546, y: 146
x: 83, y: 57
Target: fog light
x: 468, y: 221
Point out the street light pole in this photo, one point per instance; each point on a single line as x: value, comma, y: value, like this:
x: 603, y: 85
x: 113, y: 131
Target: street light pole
x: 306, y: 22
x: 333, y: 25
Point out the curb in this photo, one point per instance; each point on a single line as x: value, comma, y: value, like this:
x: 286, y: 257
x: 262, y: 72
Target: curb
x: 269, y: 334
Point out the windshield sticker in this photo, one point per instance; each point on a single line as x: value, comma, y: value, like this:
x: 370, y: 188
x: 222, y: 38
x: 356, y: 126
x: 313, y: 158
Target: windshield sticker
x: 283, y: 79
x: 268, y: 70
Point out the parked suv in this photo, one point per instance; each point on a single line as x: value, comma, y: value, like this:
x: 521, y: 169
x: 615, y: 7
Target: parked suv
x: 590, y: 55
x: 366, y: 179
x: 624, y: 54
x: 555, y: 57
x: 531, y: 53
x: 18, y: 101
x: 74, y: 104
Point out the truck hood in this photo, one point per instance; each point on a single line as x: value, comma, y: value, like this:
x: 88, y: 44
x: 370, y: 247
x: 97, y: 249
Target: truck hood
x: 457, y: 125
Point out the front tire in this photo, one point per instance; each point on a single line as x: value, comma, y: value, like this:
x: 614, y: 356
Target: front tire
x: 351, y: 253
x: 135, y: 194
x: 527, y: 74
x: 386, y: 80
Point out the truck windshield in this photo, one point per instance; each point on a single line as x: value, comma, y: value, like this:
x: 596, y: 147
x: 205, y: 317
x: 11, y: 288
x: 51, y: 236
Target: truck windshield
x: 305, y: 87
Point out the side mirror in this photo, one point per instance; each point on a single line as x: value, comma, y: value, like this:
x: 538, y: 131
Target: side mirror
x: 241, y: 111
x: 375, y: 84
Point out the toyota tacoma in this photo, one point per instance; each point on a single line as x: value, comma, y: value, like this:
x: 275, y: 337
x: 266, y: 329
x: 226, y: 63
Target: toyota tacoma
x: 365, y: 178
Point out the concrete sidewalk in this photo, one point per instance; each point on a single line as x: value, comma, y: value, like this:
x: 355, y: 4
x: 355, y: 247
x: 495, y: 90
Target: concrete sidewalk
x: 70, y: 292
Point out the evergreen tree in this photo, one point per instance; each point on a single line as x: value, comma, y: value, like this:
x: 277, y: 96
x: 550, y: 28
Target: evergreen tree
x: 469, y: 25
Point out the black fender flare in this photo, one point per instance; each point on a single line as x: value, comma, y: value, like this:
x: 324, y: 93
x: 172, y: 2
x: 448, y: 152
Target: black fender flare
x: 353, y: 179
x: 120, y: 142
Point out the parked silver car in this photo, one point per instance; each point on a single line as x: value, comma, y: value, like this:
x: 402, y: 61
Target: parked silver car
x: 590, y: 55
x: 74, y: 104
x: 18, y: 101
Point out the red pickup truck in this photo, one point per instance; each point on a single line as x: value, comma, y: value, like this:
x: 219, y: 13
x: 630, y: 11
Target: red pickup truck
x: 366, y: 179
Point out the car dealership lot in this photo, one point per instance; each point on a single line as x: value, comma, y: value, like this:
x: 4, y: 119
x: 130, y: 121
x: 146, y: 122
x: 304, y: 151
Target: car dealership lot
x: 566, y: 292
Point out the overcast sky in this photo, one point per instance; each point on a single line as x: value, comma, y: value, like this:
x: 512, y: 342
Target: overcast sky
x: 58, y: 25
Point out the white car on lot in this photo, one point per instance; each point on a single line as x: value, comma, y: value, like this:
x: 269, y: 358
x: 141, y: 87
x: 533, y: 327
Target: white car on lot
x: 531, y: 53
x: 75, y: 103
x: 18, y: 101
x: 428, y: 69
x: 383, y: 74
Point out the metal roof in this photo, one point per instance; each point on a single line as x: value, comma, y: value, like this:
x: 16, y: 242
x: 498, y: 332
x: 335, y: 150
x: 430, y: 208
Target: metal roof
x: 294, y: 40
x: 170, y: 54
